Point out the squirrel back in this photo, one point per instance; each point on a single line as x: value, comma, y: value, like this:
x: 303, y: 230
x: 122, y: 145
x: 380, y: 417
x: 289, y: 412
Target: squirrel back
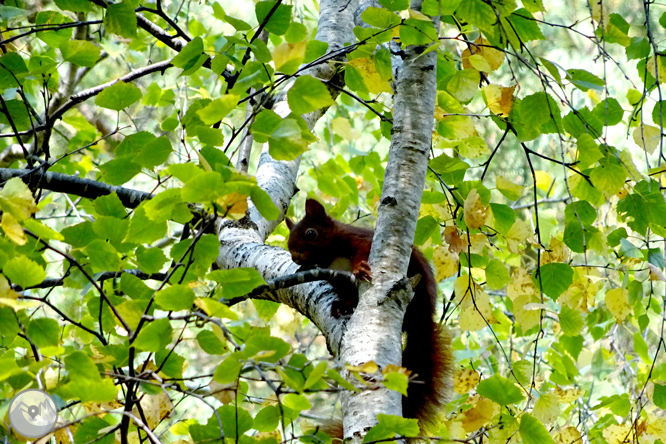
x: 319, y: 240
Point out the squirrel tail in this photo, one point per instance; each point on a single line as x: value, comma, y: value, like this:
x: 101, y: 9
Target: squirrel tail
x: 427, y: 353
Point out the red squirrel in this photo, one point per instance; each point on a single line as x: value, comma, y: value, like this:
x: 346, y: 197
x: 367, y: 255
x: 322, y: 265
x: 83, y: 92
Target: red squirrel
x: 319, y: 240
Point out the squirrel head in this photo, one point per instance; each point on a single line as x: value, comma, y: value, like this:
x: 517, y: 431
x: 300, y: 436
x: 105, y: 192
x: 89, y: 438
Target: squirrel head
x: 310, y: 238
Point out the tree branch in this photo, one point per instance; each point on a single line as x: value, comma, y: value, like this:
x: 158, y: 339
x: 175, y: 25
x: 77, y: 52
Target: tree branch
x: 63, y: 183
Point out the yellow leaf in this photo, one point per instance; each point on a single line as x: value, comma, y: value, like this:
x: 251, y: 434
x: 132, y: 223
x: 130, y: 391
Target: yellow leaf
x: 155, y: 408
x: 499, y: 99
x: 479, y: 415
x: 6, y: 291
x: 342, y: 128
x: 479, y: 63
x: 527, y: 314
x: 518, y: 234
x: 446, y: 262
x: 475, y: 308
x: 547, y: 408
x: 16, y: 198
x: 617, y: 302
x: 600, y: 12
x: 368, y: 367
x: 521, y: 284
x: 474, y: 212
x: 493, y: 57
x: 655, y: 273
x: 618, y: 434
x: 567, y: 396
x: 13, y: 229
x: 473, y: 147
x: 509, y: 188
x: 373, y: 81
x: 543, y: 180
x: 557, y: 252
x: 568, y: 435
x: 289, y: 53
x: 456, y: 245
x: 656, y: 427
x: 464, y: 380
x: 647, y: 137
x: 235, y: 204
x: 651, y: 68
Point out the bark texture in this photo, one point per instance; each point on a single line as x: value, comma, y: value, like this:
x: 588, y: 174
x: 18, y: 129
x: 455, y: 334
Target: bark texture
x: 374, y: 331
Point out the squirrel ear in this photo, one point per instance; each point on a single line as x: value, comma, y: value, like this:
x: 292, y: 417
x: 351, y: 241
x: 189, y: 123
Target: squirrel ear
x: 313, y: 209
x: 290, y: 223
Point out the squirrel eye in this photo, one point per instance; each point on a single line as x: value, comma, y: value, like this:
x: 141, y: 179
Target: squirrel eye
x: 310, y: 234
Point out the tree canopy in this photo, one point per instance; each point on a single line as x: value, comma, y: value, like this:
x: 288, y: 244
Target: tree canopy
x: 150, y: 150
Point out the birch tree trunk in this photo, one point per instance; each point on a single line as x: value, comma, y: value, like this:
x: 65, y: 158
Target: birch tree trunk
x: 374, y: 330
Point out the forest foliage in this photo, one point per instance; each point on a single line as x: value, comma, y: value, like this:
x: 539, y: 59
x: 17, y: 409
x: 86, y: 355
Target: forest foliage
x: 123, y: 139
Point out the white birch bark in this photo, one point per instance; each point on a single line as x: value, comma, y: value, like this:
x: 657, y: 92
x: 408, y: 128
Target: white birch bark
x: 242, y: 242
x: 374, y: 331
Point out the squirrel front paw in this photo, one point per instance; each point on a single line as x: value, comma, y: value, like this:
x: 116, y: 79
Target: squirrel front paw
x: 362, y: 271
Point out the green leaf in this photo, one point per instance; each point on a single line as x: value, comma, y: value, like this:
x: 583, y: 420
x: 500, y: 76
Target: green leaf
x: 308, y: 94
x: 18, y: 113
x: 659, y: 396
x: 235, y: 420
x: 103, y: 257
x: 267, y: 419
x: 154, y: 336
x: 639, y: 48
x: 79, y: 235
x: 279, y: 21
x: 142, y: 230
x: 41, y: 230
x: 580, y: 211
x: 571, y: 321
x: 80, y: 52
x: 150, y: 260
x: 500, y: 390
x: 120, y: 19
x: 44, y: 332
x: 118, y: 96
x: 584, y: 80
x: 464, y: 84
x: 388, y: 426
x: 202, y: 188
x: 85, y: 382
x: 12, y: 70
x: 210, y: 343
x: 538, y: 109
x: 237, y: 281
x: 264, y: 348
x: 228, y: 370
x: 24, y: 272
x: 134, y: 287
x: 504, y: 216
x: 609, y: 176
x: 497, y: 276
x: 477, y: 13
x: 219, y: 13
x: 154, y: 153
x: 75, y: 5
x: 532, y: 431
x: 424, y: 228
x: 395, y: 5
x: 296, y: 402
x: 555, y: 278
x: 53, y: 38
x: 451, y: 169
x: 609, y: 111
x: 380, y: 17
x: 396, y: 381
x: 110, y: 205
x: 189, y: 55
x: 216, y: 110
x: 177, y: 297
x: 119, y: 170
x: 287, y: 142
x: 264, y: 203
x: 89, y: 431
x: 417, y: 32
